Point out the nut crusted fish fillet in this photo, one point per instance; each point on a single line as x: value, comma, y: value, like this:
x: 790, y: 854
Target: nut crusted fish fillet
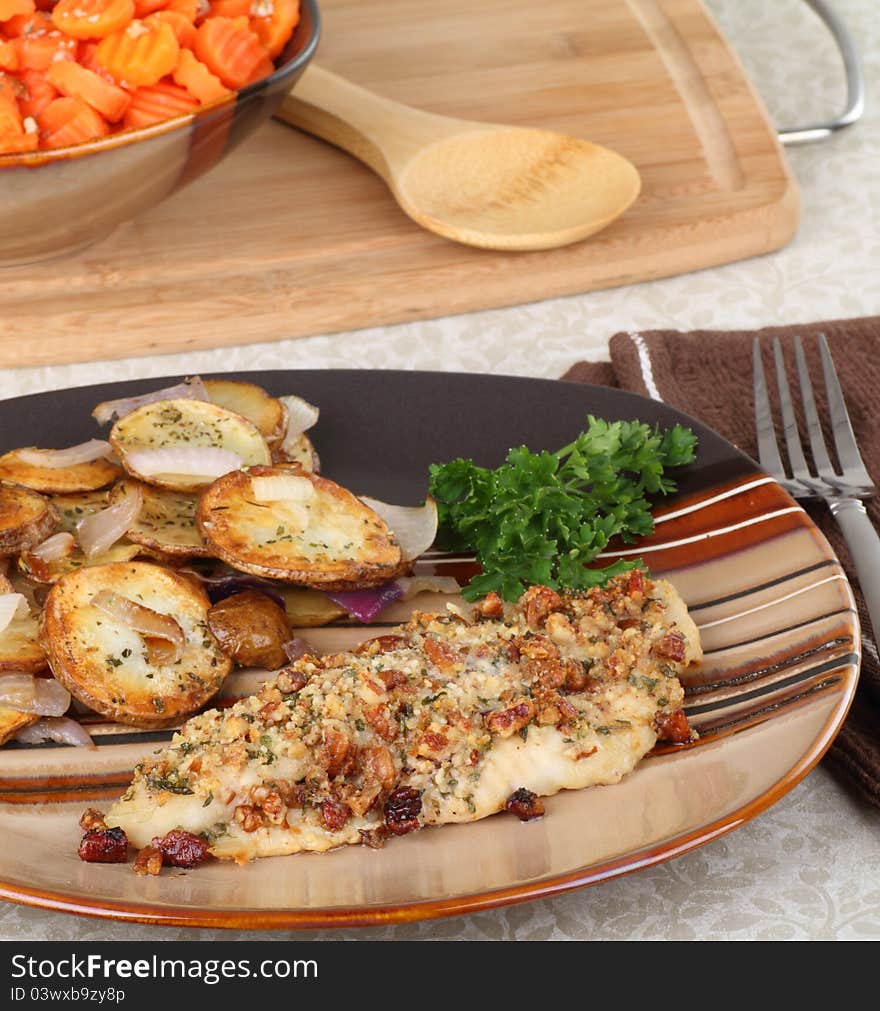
x: 440, y: 722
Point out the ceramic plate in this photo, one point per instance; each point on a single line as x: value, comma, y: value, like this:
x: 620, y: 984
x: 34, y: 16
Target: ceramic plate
x: 776, y: 616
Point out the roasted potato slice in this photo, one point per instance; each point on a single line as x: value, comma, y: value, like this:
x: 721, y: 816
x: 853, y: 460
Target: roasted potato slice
x: 20, y: 648
x: 102, y: 661
x: 309, y: 608
x: 301, y: 452
x: 11, y: 721
x: 319, y: 534
x: 166, y: 523
x: 57, y: 480
x: 251, y: 402
x: 26, y: 518
x: 252, y: 629
x: 75, y: 507
x: 185, y: 425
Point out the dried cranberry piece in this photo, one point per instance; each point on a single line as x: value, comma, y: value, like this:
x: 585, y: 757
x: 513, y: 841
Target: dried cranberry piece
x: 402, y: 810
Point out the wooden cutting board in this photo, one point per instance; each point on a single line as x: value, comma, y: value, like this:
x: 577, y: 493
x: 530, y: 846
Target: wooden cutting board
x: 290, y: 237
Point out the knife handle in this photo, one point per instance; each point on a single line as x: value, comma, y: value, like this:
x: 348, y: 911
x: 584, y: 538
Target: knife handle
x: 864, y: 546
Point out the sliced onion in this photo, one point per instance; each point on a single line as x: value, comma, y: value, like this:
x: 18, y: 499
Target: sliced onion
x: 366, y: 604
x: 208, y: 462
x: 301, y: 416
x: 162, y: 635
x: 29, y: 694
x: 59, y: 729
x: 55, y: 459
x: 414, y: 527
x: 190, y: 389
x: 12, y: 606
x: 57, y: 546
x: 297, y: 647
x: 101, y: 530
x: 413, y: 585
x: 282, y: 488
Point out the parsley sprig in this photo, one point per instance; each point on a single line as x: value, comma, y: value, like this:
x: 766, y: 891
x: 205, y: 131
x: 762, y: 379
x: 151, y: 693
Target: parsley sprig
x: 542, y: 517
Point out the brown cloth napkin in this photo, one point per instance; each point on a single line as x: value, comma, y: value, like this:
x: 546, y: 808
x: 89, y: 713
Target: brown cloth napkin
x: 708, y: 374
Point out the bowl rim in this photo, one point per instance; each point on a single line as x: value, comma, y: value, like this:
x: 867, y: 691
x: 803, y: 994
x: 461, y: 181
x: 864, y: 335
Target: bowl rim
x: 31, y: 159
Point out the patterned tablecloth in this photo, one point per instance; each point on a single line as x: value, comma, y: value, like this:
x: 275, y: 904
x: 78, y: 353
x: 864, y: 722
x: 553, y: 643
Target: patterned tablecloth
x: 808, y: 868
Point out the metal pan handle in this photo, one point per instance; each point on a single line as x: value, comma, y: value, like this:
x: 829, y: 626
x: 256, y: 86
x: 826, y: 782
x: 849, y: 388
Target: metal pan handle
x: 855, y: 82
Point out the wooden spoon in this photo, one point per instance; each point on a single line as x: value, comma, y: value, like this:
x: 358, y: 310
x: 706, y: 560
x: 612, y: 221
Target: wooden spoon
x: 483, y: 184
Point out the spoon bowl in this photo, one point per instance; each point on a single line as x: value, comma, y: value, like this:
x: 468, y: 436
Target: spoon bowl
x: 482, y: 184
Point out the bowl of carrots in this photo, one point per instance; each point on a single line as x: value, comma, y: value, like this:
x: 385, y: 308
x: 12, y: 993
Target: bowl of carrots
x: 107, y: 107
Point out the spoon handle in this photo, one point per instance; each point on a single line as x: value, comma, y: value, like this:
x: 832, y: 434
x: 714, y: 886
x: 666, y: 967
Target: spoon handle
x: 380, y: 132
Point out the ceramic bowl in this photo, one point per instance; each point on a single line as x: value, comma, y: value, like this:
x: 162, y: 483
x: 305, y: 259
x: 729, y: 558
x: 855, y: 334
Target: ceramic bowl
x: 55, y: 202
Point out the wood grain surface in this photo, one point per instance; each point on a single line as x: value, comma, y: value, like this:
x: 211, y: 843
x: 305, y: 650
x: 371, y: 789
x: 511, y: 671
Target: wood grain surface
x: 291, y: 237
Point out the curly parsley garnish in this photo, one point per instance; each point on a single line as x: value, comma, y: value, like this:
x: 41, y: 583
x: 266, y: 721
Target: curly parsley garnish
x: 542, y: 517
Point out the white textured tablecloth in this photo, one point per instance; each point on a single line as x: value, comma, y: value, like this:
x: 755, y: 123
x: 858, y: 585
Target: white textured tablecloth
x: 809, y: 867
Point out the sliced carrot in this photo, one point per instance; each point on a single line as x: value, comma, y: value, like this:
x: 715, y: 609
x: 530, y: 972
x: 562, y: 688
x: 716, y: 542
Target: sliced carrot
x: 231, y: 52
x: 79, y: 82
x: 190, y: 9
x: 274, y: 27
x: 193, y: 75
x: 27, y: 24
x: 37, y: 93
x: 12, y: 8
x: 16, y: 143
x: 184, y: 30
x: 8, y: 56
x: 67, y: 121
x: 141, y: 54
x: 92, y: 19
x: 230, y: 8
x: 144, y: 7
x: 40, y: 50
x: 157, y: 103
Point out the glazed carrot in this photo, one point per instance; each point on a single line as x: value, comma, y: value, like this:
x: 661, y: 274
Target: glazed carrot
x: 67, y: 121
x: 144, y: 7
x: 12, y: 8
x: 184, y: 30
x: 140, y: 54
x: 273, y: 22
x: 8, y: 56
x: 190, y: 9
x: 27, y: 24
x: 232, y: 52
x: 230, y: 8
x: 158, y: 102
x: 193, y: 75
x: 17, y: 143
x: 39, y: 50
x: 78, y: 82
x: 37, y: 93
x: 91, y: 19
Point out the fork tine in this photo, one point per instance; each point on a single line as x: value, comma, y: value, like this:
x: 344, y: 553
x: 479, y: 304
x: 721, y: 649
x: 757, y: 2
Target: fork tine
x: 768, y: 451
x: 799, y: 468
x: 824, y: 467
x: 844, y: 439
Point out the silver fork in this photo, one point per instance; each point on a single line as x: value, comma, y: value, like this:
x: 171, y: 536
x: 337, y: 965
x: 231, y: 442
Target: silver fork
x: 844, y: 490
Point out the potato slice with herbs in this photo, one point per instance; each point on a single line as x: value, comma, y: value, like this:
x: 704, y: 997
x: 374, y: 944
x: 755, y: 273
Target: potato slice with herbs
x: 11, y: 721
x: 301, y: 452
x: 286, y: 524
x: 309, y: 608
x: 166, y: 523
x: 80, y: 477
x: 20, y: 648
x: 103, y: 660
x: 184, y: 445
x: 26, y: 518
x: 251, y: 402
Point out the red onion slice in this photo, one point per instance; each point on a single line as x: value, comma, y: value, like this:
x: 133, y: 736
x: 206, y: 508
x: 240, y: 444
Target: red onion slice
x: 414, y: 527
x: 12, y: 606
x: 59, y: 729
x: 413, y: 585
x: 207, y: 462
x: 162, y: 635
x: 29, y: 694
x: 57, y: 546
x: 101, y: 530
x: 56, y: 459
x: 366, y: 604
x: 190, y: 389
